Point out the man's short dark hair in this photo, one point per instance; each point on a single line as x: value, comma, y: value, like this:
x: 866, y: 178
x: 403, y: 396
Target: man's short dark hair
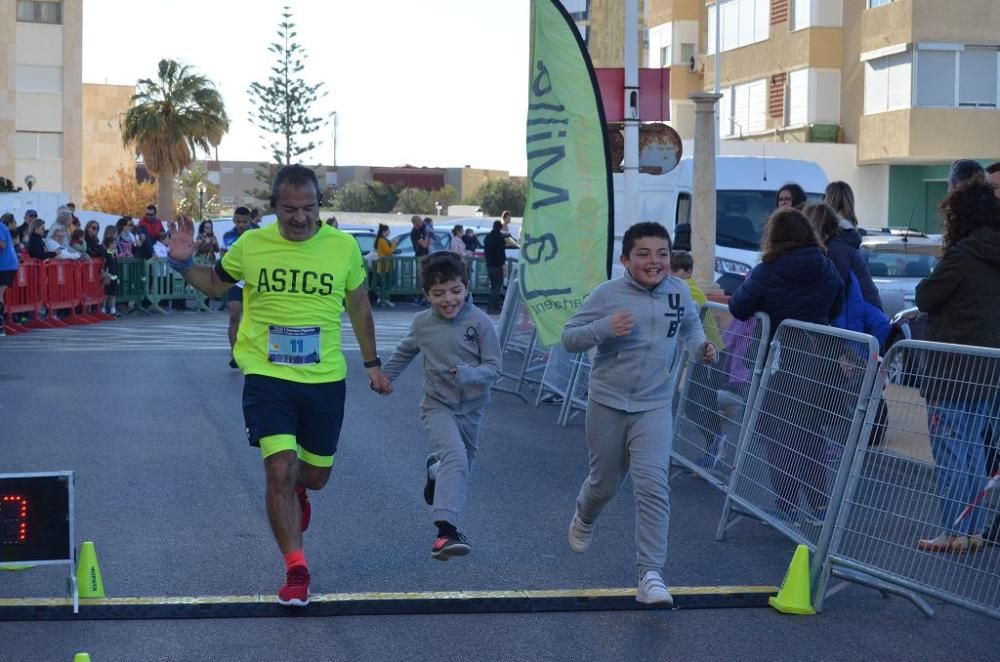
x: 681, y: 261
x: 442, y: 267
x: 295, y: 175
x: 153, y: 207
x: 497, y: 225
x: 241, y: 211
x: 993, y: 168
x: 641, y: 230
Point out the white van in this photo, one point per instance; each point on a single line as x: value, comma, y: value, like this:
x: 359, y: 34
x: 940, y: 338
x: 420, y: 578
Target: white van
x: 746, y: 190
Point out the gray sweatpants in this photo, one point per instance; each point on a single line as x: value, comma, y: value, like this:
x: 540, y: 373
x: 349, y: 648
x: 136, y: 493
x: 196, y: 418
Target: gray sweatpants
x: 639, y: 444
x: 454, y: 439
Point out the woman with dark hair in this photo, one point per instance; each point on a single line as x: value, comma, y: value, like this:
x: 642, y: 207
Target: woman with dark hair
x: 90, y: 238
x: 790, y: 195
x: 842, y: 247
x: 962, y: 302
x: 36, y: 242
x: 794, y: 280
x: 206, y: 244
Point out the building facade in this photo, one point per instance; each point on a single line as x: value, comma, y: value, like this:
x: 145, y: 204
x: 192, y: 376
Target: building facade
x: 41, y: 94
x: 910, y: 85
x: 104, y: 153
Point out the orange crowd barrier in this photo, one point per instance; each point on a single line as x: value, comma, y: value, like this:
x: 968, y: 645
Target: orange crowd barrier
x: 92, y: 291
x: 23, y: 296
x: 72, y: 288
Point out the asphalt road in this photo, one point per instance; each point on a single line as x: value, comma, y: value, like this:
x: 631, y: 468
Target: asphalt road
x: 147, y: 413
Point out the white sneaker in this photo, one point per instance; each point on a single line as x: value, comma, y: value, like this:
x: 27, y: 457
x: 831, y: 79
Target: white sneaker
x: 580, y: 534
x: 652, y: 590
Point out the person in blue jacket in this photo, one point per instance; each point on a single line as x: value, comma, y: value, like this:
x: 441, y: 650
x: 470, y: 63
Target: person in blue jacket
x: 795, y: 280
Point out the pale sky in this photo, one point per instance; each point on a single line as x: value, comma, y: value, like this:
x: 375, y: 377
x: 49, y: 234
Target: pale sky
x: 438, y: 83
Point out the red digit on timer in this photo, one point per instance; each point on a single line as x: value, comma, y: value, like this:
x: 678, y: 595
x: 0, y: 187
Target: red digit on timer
x: 14, y: 518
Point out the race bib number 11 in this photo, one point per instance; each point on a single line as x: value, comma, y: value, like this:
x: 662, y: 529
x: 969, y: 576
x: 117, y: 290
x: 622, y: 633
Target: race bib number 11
x: 293, y: 345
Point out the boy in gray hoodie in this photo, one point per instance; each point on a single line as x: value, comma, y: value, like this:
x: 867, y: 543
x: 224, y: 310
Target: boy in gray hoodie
x: 461, y: 361
x: 636, y: 322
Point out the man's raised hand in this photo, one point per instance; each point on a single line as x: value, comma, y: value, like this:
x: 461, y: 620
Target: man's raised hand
x: 182, y: 238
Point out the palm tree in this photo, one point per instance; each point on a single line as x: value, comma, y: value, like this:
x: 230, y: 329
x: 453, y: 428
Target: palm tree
x: 169, y: 119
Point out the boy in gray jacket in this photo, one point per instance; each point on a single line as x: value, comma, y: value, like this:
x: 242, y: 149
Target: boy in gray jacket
x: 461, y: 361
x: 636, y: 323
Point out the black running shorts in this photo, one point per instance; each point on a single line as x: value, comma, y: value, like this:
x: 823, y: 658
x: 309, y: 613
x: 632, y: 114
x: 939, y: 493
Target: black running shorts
x: 312, y: 413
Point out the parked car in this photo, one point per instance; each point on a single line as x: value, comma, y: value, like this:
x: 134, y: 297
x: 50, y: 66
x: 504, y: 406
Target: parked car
x: 442, y: 239
x: 364, y: 235
x: 897, y: 262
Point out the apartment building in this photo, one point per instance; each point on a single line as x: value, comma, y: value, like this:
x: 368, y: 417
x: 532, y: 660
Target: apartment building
x: 909, y: 85
x: 41, y: 114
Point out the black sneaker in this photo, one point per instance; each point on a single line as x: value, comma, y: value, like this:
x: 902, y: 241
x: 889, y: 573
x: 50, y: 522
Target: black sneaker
x: 429, y: 485
x: 451, y: 545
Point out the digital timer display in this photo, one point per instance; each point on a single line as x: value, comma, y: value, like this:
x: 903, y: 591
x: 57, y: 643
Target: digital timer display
x: 35, y: 517
x: 13, y: 519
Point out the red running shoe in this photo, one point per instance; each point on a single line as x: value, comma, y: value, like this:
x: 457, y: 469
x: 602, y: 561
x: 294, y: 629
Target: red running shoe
x: 295, y: 592
x: 306, y: 507
x: 448, y: 546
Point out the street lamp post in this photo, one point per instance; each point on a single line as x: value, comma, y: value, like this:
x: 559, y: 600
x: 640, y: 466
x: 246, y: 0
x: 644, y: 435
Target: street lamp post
x: 29, y: 181
x: 201, y: 201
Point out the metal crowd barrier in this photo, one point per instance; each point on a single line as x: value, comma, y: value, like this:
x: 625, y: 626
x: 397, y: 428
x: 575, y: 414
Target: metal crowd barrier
x: 579, y: 388
x: 792, y: 464
x: 918, y: 505
x: 165, y: 284
x: 712, y: 404
x: 522, y: 355
x: 557, y: 377
x: 397, y: 276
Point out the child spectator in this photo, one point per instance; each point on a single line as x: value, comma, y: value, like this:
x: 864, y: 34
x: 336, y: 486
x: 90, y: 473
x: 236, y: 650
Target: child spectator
x: 461, y: 361
x: 629, y: 418
x: 162, y: 246
x: 682, y: 266
x: 457, y: 245
x: 796, y: 281
x: 109, y: 275
x: 78, y: 244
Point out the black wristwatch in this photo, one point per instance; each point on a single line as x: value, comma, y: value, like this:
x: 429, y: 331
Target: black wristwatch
x: 374, y: 363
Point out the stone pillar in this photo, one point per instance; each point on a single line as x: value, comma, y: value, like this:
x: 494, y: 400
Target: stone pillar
x: 703, y: 206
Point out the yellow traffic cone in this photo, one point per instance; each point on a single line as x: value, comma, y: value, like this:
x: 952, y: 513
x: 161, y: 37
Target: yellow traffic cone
x: 88, y: 573
x: 794, y: 596
x: 81, y: 657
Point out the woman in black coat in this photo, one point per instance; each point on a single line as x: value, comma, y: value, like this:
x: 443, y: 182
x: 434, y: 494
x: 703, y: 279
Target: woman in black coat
x: 962, y: 302
x: 794, y: 280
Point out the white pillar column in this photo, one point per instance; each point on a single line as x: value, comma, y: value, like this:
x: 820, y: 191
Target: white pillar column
x: 703, y: 207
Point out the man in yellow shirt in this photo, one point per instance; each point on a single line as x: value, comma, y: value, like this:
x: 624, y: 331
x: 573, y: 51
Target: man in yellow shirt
x: 299, y: 275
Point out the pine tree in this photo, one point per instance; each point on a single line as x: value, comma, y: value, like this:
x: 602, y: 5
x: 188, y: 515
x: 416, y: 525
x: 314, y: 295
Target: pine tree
x: 282, y: 105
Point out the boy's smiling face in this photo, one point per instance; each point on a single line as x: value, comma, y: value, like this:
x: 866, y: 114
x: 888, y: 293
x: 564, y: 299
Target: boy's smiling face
x: 649, y: 261
x: 448, y: 297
